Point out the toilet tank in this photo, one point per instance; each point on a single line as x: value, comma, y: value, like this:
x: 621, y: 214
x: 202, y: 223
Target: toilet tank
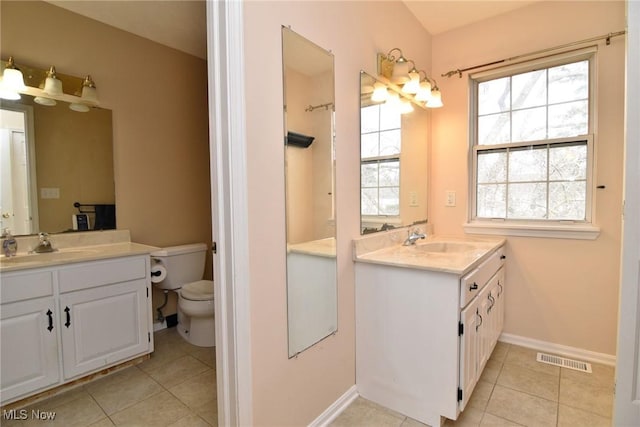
x: 184, y: 264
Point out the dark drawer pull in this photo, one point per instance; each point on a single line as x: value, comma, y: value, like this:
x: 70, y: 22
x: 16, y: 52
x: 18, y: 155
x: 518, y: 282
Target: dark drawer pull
x: 50, y: 316
x: 68, y: 322
x: 473, y: 287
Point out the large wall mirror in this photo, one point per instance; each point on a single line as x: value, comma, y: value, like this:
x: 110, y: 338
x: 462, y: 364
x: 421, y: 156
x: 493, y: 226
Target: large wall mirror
x: 51, y: 158
x: 308, y: 81
x: 393, y: 161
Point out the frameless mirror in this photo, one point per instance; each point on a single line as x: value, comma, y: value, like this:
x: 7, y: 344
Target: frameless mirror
x: 393, y: 162
x: 52, y: 157
x: 308, y: 81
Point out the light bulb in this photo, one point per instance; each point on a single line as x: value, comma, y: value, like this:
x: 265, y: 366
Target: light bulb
x: 379, y: 92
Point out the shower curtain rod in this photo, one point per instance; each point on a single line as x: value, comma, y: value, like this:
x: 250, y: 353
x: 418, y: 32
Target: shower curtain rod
x: 606, y: 37
x: 315, y: 107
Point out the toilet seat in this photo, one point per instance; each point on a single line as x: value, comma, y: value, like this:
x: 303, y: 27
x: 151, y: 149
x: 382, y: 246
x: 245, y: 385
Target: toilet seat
x: 202, y: 290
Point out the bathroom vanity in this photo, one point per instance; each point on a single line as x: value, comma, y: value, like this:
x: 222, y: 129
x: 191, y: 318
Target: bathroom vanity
x: 71, y: 313
x: 427, y: 319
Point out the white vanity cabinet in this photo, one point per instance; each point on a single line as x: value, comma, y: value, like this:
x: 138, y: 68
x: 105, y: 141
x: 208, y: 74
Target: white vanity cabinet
x: 28, y: 334
x: 424, y: 336
x: 62, y: 322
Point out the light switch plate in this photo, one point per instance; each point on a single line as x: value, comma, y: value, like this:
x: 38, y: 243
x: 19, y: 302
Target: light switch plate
x: 413, y: 199
x: 451, y: 198
x: 50, y: 193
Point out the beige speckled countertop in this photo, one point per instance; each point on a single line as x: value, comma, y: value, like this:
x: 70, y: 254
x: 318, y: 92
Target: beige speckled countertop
x: 72, y: 248
x: 323, y: 247
x: 448, y: 254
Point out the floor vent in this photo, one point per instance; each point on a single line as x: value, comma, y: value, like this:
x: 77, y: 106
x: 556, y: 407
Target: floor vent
x: 564, y: 362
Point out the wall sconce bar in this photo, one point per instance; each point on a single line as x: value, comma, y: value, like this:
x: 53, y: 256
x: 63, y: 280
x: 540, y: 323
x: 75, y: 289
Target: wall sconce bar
x: 36, y: 86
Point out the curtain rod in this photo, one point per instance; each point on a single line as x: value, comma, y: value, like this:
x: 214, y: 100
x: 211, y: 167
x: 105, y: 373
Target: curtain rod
x: 606, y: 37
x: 315, y: 107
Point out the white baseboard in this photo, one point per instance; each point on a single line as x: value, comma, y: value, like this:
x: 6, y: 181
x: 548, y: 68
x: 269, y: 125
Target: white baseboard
x: 336, y: 408
x: 560, y: 350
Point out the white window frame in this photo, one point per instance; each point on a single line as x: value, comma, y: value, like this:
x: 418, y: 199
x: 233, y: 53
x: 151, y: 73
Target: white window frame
x: 535, y: 228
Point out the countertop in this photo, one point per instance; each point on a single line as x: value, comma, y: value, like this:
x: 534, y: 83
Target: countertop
x: 102, y: 245
x: 466, y: 252
x: 323, y: 247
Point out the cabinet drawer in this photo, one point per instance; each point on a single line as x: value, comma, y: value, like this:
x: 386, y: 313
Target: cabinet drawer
x: 23, y: 286
x: 90, y: 275
x: 473, y: 282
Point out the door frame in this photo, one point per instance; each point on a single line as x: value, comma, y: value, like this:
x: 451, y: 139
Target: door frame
x: 227, y: 142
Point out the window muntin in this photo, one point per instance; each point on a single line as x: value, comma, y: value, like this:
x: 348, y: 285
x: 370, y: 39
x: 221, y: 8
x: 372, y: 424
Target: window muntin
x: 532, y: 147
x: 381, y: 137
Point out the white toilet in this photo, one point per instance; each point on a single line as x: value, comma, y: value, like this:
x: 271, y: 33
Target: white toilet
x: 185, y: 266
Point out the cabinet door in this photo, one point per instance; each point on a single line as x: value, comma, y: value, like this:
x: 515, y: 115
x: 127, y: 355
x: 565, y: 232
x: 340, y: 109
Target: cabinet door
x: 28, y: 347
x: 499, y: 293
x: 469, y: 318
x: 101, y: 326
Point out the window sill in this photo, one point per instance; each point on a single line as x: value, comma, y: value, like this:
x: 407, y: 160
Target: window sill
x: 554, y: 231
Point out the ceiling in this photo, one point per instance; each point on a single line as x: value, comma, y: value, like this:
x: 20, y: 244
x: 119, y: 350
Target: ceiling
x: 181, y: 24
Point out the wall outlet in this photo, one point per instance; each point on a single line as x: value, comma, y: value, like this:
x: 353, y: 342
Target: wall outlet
x: 413, y: 199
x: 451, y: 198
x: 50, y: 193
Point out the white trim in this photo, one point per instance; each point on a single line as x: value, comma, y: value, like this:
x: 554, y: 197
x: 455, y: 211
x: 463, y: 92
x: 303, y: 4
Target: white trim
x: 559, y: 231
x: 336, y: 408
x: 227, y: 141
x: 559, y: 349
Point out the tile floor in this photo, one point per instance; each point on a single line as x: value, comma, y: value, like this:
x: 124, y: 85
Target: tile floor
x: 515, y: 390
x: 175, y: 387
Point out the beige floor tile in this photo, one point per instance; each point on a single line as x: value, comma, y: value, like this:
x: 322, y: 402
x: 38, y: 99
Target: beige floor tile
x: 209, y: 412
x: 470, y: 417
x: 602, y: 375
x: 571, y: 417
x: 197, y: 390
x: 79, y: 412
x: 190, y: 421
x: 161, y: 356
x: 117, y: 392
x: 526, y: 357
x: 162, y: 409
x: 410, y: 422
x: 530, y: 381
x: 365, y: 413
x: 489, y: 420
x: 500, y: 351
x: 206, y: 355
x: 105, y: 422
x: 522, y: 408
x: 177, y: 371
x: 588, y: 397
x: 481, y: 394
x: 491, y: 371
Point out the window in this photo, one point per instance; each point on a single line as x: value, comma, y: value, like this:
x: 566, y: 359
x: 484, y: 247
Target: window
x: 380, y: 137
x: 532, y: 144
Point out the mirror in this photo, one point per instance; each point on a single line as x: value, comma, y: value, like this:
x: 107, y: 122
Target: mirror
x: 52, y: 157
x: 308, y: 82
x: 393, y: 162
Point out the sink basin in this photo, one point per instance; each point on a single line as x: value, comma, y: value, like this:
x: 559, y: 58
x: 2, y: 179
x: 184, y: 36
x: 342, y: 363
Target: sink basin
x: 444, y: 247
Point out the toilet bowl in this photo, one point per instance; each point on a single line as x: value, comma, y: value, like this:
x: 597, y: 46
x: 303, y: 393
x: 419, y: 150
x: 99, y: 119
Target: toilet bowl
x: 184, y: 267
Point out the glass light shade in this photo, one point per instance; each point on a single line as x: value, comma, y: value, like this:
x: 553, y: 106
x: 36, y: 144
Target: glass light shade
x: 53, y: 86
x: 400, y: 71
x: 424, y: 92
x: 81, y: 108
x: 436, y: 99
x: 9, y: 95
x: 90, y: 94
x: 393, y: 99
x: 12, y: 79
x: 413, y: 85
x: 48, y: 102
x: 405, y: 106
x: 379, y: 92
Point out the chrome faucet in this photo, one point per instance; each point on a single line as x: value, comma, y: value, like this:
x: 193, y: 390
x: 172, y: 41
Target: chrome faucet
x: 44, y: 245
x: 413, y: 237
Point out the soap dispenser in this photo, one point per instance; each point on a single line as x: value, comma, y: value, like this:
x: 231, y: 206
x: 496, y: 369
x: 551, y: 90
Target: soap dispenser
x: 9, y: 244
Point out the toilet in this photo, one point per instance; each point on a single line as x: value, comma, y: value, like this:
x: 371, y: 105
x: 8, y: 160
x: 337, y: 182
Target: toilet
x: 184, y: 267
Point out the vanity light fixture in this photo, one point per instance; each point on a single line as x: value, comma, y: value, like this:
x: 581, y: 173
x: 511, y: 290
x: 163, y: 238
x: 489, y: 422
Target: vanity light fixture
x: 379, y: 92
x: 52, y: 87
x: 89, y: 96
x: 12, y: 81
x: 395, y: 69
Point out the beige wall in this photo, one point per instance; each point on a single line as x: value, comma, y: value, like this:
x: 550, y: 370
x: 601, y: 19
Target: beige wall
x: 560, y: 291
x: 160, y: 125
x: 295, y: 391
